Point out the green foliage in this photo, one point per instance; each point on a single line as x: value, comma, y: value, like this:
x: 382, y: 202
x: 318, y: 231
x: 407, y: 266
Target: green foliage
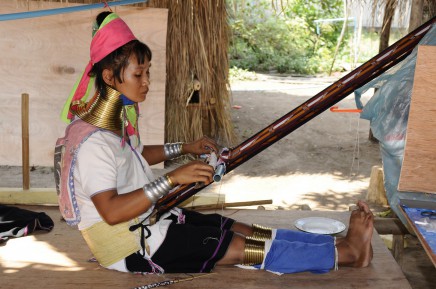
x: 285, y: 41
x: 236, y: 73
x: 371, y: 40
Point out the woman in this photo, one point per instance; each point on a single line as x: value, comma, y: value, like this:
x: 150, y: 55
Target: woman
x: 106, y: 187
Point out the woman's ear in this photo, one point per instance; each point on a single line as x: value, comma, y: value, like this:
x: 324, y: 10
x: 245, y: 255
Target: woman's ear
x: 108, y: 77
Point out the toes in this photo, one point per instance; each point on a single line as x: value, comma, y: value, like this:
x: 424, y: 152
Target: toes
x: 363, y: 206
x: 369, y: 218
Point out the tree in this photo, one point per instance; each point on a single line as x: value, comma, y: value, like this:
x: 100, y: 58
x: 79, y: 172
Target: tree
x: 421, y: 11
x: 385, y: 32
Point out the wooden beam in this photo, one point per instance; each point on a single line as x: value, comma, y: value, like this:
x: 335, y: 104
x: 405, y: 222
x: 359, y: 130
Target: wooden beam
x: 18, y: 196
x: 390, y: 226
x: 48, y: 196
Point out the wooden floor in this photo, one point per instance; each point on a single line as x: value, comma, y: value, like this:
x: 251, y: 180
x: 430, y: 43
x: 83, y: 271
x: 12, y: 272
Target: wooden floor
x: 59, y: 259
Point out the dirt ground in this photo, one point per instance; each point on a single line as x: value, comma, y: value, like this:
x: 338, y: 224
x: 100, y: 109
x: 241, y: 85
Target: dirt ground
x: 323, y: 165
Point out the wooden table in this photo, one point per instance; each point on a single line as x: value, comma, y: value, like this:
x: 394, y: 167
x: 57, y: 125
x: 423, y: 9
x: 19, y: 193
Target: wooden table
x: 425, y: 244
x: 59, y: 260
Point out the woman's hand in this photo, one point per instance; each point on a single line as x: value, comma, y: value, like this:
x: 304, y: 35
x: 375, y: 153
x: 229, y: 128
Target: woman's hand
x: 203, y: 145
x: 195, y: 171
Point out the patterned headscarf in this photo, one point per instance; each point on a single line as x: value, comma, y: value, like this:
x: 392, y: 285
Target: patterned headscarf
x: 112, y: 34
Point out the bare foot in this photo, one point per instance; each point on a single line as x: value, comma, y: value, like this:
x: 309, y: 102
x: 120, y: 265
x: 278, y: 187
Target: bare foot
x: 355, y: 249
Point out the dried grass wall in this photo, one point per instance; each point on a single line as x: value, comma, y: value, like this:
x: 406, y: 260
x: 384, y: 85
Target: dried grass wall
x: 197, y: 44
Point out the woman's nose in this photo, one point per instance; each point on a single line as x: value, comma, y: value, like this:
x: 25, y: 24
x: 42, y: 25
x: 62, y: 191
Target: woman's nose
x: 146, y: 81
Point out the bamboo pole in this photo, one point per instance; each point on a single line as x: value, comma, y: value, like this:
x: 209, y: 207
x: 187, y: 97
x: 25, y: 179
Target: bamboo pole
x: 25, y: 139
x: 229, y: 205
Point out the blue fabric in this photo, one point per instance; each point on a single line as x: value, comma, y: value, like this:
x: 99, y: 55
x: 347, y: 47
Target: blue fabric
x: 294, y: 257
x: 289, y: 235
x: 125, y: 100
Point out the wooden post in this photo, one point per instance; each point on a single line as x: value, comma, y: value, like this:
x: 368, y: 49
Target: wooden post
x: 25, y: 139
x: 398, y: 248
x: 376, y: 191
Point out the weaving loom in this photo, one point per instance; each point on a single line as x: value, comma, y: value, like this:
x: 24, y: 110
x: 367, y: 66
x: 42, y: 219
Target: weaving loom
x: 232, y: 158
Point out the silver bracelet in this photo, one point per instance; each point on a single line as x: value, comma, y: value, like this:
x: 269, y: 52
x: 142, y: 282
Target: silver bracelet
x: 173, y: 150
x: 157, y: 189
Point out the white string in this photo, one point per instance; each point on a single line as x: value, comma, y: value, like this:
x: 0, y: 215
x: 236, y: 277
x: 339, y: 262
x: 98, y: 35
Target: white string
x: 356, y: 150
x: 222, y: 204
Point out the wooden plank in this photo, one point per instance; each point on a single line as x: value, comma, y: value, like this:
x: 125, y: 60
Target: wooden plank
x: 39, y: 196
x: 389, y: 226
x: 59, y: 260
x: 419, y: 163
x: 45, y: 56
x: 48, y: 196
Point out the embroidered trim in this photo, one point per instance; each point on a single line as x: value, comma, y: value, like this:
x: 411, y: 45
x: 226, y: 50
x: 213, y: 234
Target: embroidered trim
x: 224, y: 233
x: 71, y: 187
x: 181, y: 218
x: 336, y: 268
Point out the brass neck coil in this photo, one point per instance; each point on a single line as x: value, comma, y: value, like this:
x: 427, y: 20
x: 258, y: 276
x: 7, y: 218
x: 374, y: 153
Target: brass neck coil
x: 102, y: 112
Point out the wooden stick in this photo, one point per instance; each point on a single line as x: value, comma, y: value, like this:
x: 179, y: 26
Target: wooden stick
x: 25, y: 139
x: 225, y: 205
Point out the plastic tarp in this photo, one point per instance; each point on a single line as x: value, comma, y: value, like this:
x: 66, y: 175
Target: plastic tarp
x: 388, y: 113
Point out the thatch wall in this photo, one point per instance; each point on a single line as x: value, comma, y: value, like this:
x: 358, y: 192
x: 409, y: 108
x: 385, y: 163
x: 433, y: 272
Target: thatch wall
x: 197, y: 44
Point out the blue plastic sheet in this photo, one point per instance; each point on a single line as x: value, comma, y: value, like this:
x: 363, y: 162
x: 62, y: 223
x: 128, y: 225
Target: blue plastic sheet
x: 388, y: 113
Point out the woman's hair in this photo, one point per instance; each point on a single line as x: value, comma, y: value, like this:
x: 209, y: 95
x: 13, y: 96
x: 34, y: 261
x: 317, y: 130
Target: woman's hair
x: 118, y: 59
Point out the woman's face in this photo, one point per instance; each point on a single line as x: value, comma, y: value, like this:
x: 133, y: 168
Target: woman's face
x: 136, y: 80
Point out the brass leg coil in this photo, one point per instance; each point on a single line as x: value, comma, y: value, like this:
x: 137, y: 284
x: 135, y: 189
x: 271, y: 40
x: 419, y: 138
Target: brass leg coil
x: 261, y: 233
x: 254, y: 251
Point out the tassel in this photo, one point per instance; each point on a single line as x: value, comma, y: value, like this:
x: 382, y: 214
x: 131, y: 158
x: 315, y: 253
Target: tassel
x: 130, y: 121
x: 123, y: 130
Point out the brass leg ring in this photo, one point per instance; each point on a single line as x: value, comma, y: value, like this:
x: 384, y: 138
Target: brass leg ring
x: 261, y: 233
x: 254, y: 251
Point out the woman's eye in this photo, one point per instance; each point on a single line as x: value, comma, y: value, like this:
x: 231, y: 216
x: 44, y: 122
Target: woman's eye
x: 138, y: 75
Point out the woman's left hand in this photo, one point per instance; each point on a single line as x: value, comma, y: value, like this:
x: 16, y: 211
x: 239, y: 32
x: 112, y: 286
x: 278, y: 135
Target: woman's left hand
x: 203, y: 145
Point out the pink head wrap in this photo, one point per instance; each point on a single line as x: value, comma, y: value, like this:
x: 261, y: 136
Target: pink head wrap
x: 108, y: 38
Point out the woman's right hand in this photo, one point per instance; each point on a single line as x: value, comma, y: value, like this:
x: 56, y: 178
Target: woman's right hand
x: 195, y: 171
